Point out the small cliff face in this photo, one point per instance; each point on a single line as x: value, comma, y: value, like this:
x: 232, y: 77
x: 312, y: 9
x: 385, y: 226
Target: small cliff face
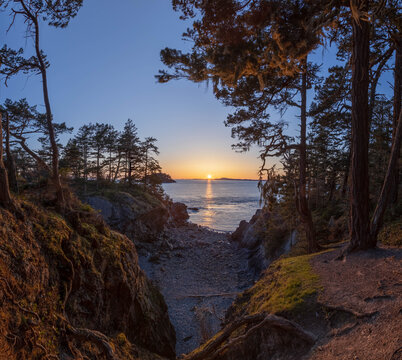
x: 71, y: 287
x: 264, y: 238
x: 142, y: 220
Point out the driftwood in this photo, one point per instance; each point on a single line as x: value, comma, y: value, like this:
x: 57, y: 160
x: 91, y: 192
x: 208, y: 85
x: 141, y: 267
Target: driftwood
x: 257, y: 321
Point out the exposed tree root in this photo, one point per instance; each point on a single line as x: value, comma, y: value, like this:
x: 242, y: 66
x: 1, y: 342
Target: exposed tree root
x: 395, y: 355
x: 11, y: 295
x: 94, y: 336
x: 256, y: 321
x: 358, y: 315
x: 207, y: 295
x: 345, y: 330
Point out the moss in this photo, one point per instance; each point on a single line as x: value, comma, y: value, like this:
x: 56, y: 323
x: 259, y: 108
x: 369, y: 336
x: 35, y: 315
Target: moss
x: 391, y: 234
x: 121, y: 339
x: 287, y: 286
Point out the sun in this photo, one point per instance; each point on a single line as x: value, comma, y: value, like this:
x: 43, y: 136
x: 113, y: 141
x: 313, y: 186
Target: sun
x: 209, y: 176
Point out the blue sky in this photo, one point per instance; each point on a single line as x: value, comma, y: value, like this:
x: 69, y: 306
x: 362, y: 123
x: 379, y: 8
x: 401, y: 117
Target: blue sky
x: 102, y: 70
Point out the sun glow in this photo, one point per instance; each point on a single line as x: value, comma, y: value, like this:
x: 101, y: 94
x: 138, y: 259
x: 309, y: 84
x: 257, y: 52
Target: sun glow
x: 209, y: 176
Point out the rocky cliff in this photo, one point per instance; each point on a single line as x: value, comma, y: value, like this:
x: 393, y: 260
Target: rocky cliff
x: 141, y: 218
x: 264, y: 238
x: 71, y: 288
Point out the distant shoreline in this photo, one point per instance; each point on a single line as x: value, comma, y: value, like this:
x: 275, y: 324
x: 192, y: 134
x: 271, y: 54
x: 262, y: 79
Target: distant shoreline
x: 222, y: 179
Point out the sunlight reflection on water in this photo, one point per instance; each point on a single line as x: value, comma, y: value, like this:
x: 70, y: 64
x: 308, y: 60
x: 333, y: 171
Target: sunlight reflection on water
x: 222, y: 204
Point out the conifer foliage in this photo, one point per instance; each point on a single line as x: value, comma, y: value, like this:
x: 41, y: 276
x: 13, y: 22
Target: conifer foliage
x: 256, y: 55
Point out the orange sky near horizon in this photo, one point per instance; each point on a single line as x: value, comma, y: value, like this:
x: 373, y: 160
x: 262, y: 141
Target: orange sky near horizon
x: 218, y: 165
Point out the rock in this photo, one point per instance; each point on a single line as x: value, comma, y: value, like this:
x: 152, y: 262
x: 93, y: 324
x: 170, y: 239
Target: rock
x: 63, y: 275
x: 250, y: 236
x: 178, y: 213
x: 138, y: 219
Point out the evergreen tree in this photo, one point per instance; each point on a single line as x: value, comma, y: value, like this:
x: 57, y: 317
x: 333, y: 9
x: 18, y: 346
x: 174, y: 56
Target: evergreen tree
x: 129, y: 143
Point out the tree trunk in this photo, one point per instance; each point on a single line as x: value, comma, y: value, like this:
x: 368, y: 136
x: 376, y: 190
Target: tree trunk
x: 397, y: 110
x: 117, y: 168
x: 5, y: 196
x: 146, y: 167
x: 85, y: 168
x: 49, y: 117
x: 303, y: 208
x: 388, y: 185
x: 359, y: 200
x: 346, y: 175
x: 11, y: 168
x: 129, y: 168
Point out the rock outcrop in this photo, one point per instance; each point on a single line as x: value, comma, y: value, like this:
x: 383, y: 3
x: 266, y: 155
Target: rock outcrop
x: 142, y: 220
x: 252, y: 237
x: 70, y: 287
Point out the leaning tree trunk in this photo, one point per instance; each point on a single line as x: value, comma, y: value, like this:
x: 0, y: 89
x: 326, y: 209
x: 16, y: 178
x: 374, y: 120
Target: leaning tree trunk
x: 303, y: 208
x: 359, y: 200
x: 49, y: 117
x: 397, y: 110
x: 11, y: 168
x: 5, y: 196
x: 388, y: 185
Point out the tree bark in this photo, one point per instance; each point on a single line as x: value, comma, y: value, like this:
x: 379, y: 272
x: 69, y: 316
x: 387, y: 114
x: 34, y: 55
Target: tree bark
x: 388, y: 185
x: 5, y: 196
x: 397, y: 110
x: 303, y: 208
x: 346, y: 175
x: 11, y: 168
x: 49, y: 117
x: 359, y: 200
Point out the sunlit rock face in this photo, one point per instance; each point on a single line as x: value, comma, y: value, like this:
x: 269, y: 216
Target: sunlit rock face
x: 140, y: 220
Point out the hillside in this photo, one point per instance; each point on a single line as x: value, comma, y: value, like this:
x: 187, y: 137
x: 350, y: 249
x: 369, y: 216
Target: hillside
x: 71, y: 288
x: 316, y: 307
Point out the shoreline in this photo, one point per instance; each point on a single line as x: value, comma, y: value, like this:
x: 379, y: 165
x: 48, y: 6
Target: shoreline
x: 197, y: 293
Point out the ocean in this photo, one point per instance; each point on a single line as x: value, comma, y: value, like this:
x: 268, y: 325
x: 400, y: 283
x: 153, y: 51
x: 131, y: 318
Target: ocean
x: 221, y: 204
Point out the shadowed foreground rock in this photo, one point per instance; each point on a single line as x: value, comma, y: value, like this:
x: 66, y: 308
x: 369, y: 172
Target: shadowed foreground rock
x: 70, y: 287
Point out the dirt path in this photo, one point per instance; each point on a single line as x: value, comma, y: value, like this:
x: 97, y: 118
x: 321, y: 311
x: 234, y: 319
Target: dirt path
x: 370, y: 284
x: 199, y: 272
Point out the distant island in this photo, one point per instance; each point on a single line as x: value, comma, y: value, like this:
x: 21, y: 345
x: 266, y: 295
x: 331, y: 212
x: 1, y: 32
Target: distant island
x: 222, y: 179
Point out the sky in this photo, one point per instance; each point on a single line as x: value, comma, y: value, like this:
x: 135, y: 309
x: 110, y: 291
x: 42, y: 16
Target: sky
x: 102, y: 70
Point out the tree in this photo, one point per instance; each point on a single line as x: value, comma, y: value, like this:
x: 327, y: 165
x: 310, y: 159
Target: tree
x: 268, y: 41
x: 359, y: 203
x: 149, y: 148
x: 83, y: 143
x: 24, y: 121
x: 129, y: 142
x: 5, y: 196
x: 101, y: 134
x: 56, y: 13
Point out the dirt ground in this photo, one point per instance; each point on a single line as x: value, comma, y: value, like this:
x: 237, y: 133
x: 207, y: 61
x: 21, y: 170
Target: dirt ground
x: 368, y: 286
x: 199, y: 272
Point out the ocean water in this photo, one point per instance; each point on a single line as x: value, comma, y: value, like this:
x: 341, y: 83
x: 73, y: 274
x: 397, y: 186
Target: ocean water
x: 222, y: 204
